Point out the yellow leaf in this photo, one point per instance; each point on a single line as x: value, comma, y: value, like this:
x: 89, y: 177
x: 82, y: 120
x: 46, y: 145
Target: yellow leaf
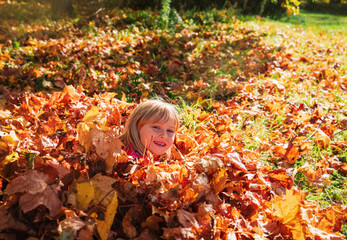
x: 108, y: 96
x: 32, y: 238
x: 10, y: 158
x: 2, y: 101
x: 124, y: 99
x: 8, y: 165
x: 105, y: 196
x: 96, y: 119
x: 9, y: 138
x: 145, y: 94
x: 220, y: 181
x: 287, y: 211
x: 84, y: 196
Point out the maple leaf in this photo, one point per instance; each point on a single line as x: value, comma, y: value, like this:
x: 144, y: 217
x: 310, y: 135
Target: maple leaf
x: 127, y: 227
x: 35, y: 192
x: 32, y: 182
x: 220, y: 180
x: 235, y: 161
x: 287, y: 211
x: 53, y: 124
x: 281, y: 177
x: 105, y: 143
x: 215, y: 185
x: 9, y: 165
x: 289, y: 153
x: 68, y: 95
x: 48, y: 198
x: 322, y: 139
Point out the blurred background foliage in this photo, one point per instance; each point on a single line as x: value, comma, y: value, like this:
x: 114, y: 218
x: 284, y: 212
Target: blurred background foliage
x: 91, y: 8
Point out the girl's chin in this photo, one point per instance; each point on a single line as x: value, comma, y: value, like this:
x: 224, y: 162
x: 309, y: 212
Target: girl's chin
x: 156, y: 152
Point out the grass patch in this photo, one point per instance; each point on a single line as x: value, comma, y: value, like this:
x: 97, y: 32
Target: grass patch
x: 319, y: 22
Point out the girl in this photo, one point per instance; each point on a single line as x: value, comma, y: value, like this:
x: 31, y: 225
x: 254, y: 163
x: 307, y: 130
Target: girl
x: 151, y: 127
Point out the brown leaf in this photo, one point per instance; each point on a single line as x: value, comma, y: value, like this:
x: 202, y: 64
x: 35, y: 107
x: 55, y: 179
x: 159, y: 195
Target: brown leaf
x: 128, y: 228
x: 343, y: 169
x: 153, y: 222
x: 49, y: 198
x: 105, y: 143
x: 31, y: 182
x: 8, y: 221
x: 187, y: 219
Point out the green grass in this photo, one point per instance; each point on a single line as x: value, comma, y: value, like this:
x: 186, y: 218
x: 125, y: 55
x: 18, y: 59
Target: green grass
x: 319, y: 22
x: 190, y: 113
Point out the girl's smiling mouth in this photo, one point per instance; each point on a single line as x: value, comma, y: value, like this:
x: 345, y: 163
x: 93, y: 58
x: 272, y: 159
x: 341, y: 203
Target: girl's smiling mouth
x: 161, y: 144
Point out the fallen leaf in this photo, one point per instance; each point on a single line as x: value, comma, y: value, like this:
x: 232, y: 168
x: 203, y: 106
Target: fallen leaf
x: 286, y: 210
x: 32, y: 182
x: 85, y: 195
x: 322, y: 139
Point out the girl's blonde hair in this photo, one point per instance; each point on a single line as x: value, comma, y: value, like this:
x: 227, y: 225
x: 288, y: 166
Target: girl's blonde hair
x: 147, y: 112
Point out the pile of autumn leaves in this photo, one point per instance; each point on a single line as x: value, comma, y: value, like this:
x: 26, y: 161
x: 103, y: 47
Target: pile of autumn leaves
x: 64, y: 173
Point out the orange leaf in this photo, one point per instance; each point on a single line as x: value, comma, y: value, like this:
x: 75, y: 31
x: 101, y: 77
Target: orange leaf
x: 287, y: 211
x: 281, y: 177
x: 290, y: 154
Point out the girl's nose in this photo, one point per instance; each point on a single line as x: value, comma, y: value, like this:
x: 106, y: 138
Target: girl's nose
x: 162, y: 133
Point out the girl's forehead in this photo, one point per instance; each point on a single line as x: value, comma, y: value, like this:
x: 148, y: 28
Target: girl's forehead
x: 162, y: 119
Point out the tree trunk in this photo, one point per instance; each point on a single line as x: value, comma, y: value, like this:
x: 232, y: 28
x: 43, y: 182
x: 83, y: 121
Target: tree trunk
x: 262, y: 7
x: 245, y: 5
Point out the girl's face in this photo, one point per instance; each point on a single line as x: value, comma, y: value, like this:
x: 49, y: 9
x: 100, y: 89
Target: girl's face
x: 158, y: 137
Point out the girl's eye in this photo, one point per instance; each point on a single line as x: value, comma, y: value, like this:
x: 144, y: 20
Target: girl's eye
x: 170, y: 131
x: 155, y: 127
